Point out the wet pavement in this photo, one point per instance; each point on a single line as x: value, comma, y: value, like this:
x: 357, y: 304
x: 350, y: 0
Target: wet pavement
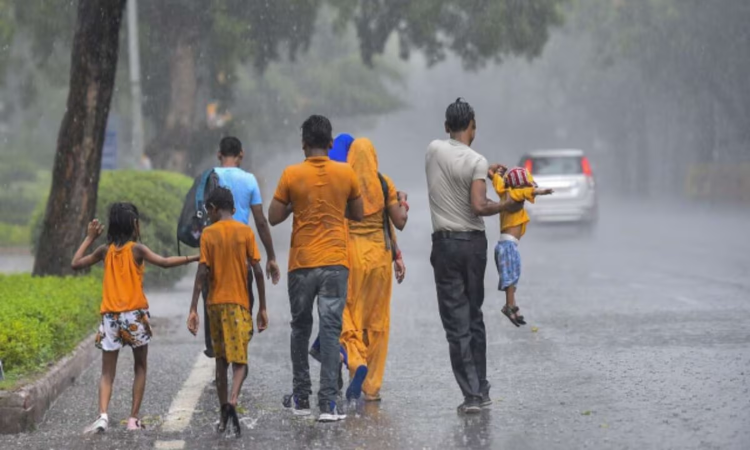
x: 638, y: 337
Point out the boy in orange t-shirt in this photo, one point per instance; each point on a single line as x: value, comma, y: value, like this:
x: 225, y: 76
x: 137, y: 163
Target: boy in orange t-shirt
x: 226, y: 248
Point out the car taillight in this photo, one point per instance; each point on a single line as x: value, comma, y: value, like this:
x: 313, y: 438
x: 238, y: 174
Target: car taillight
x: 528, y: 165
x: 586, y: 167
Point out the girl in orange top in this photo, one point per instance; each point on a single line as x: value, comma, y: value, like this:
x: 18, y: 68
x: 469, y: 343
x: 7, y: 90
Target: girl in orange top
x: 124, y: 306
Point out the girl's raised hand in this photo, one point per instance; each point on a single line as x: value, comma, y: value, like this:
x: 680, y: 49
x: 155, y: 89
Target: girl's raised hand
x: 95, y: 229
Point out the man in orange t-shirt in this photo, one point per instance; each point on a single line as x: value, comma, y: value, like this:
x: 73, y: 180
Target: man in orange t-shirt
x: 321, y: 194
x: 226, y: 247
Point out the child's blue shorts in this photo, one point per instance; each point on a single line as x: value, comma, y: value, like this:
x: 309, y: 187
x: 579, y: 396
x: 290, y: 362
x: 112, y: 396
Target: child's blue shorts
x: 508, y: 261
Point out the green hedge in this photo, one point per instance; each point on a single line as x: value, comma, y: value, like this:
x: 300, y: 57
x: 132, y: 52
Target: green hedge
x: 159, y: 197
x: 14, y: 235
x: 42, y: 319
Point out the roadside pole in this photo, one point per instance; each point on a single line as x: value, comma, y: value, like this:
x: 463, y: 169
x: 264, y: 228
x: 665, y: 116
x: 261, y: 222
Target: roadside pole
x: 135, y: 85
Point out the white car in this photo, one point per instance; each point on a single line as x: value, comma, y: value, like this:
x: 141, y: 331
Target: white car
x: 569, y: 173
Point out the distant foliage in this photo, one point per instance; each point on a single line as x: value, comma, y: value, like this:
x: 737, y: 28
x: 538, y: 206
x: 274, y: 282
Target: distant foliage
x: 477, y: 31
x: 159, y: 197
x: 42, y: 319
x: 14, y: 235
x: 19, y: 192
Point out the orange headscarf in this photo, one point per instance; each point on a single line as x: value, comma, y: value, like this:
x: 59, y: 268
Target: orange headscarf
x: 364, y: 160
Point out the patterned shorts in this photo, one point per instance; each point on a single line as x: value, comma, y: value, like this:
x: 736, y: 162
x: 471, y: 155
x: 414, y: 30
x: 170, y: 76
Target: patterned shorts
x: 231, y: 330
x: 508, y: 261
x: 117, y: 330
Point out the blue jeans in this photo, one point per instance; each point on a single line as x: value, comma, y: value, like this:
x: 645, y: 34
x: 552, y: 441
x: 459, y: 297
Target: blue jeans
x: 329, y: 284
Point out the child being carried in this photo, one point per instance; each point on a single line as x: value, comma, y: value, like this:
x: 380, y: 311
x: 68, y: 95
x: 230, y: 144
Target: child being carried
x: 516, y: 184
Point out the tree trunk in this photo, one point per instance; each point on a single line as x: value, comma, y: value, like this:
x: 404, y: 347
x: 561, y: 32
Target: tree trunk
x: 75, y: 178
x: 169, y: 149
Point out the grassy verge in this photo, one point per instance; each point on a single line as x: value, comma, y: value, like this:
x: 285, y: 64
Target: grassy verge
x: 42, y: 320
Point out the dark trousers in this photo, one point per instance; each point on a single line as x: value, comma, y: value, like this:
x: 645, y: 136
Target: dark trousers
x: 206, y: 327
x: 329, y: 285
x: 459, y: 260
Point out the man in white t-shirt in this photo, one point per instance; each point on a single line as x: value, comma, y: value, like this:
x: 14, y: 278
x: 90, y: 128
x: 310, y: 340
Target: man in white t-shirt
x: 457, y: 189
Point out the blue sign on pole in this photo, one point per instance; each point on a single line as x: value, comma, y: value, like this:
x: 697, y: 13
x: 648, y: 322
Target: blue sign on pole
x: 109, y: 150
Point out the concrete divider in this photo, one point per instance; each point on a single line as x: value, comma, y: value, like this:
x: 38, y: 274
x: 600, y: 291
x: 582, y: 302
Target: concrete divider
x: 22, y: 409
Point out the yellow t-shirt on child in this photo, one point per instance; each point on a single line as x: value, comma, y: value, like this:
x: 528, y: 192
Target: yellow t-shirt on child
x: 512, y: 219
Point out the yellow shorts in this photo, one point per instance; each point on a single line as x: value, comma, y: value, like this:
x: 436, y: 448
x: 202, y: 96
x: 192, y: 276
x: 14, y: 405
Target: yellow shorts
x: 231, y: 330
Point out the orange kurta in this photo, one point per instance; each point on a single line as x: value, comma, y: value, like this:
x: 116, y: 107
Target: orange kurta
x: 366, y: 320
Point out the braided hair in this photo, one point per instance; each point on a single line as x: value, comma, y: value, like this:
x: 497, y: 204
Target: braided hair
x: 458, y: 115
x: 123, y: 220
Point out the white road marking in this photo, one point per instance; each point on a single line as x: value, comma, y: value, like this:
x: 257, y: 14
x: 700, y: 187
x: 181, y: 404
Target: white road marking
x: 169, y: 445
x: 183, y: 406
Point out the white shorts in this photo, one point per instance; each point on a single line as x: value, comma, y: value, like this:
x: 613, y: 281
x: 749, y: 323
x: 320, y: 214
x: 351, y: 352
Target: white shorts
x: 117, y: 330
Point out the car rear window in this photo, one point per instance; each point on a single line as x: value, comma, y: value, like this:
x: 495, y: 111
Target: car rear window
x: 556, y: 165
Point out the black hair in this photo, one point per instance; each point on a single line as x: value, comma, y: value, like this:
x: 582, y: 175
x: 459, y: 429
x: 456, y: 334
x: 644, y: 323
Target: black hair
x: 122, y: 220
x: 317, y: 132
x: 458, y: 115
x: 230, y: 146
x: 221, y: 198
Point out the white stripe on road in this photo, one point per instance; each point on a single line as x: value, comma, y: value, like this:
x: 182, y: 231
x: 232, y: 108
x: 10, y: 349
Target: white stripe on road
x: 183, y: 405
x: 170, y: 445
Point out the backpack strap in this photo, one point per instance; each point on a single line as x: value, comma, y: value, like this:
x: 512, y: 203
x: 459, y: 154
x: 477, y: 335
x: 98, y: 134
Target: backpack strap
x: 200, y: 193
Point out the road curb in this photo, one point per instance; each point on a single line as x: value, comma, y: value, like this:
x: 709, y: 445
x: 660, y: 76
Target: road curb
x: 21, y: 410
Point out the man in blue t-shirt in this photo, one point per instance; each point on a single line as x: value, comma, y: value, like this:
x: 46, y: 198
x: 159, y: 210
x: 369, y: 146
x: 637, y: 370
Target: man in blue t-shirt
x: 247, y: 201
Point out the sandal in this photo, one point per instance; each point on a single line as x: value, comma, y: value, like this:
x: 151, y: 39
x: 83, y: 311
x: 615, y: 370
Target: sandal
x: 519, y: 318
x: 235, y: 419
x: 510, y: 314
x: 222, y: 426
x: 371, y: 398
x: 135, y: 424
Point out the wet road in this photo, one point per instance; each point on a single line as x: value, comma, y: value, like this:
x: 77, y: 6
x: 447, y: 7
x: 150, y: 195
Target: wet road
x: 642, y: 341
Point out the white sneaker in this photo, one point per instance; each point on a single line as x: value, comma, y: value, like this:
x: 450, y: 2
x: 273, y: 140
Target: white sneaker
x: 99, y: 426
x: 331, y: 414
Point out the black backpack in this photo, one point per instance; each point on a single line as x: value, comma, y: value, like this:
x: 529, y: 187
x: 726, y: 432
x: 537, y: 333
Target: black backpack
x: 194, y: 216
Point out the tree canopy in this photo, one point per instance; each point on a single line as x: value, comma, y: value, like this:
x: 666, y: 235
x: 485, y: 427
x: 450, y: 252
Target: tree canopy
x: 194, y: 52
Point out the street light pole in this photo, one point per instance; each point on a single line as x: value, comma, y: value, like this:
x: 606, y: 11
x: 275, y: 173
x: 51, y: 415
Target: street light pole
x: 135, y: 83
